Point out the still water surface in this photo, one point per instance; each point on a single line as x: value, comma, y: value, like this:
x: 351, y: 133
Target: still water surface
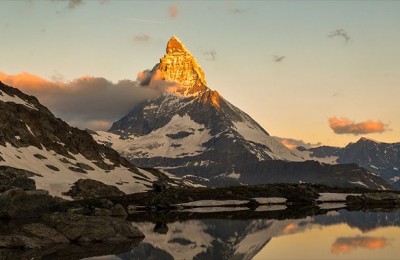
x: 336, y: 235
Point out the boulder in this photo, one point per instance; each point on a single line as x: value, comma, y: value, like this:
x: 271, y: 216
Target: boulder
x: 18, y: 242
x: 118, y: 211
x: 17, y: 203
x: 43, y: 235
x: 88, y: 188
x: 82, y: 228
x: 81, y: 211
x: 11, y: 178
x: 102, y: 212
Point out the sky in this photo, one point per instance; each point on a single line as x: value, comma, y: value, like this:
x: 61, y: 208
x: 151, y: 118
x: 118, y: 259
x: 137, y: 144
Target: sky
x: 324, y: 72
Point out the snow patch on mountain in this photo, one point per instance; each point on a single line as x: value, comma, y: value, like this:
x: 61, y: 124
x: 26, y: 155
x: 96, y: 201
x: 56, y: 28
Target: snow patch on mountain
x: 359, y: 183
x: 254, y: 134
x: 15, y: 99
x: 56, y: 173
x: 181, y: 137
x: 308, y: 155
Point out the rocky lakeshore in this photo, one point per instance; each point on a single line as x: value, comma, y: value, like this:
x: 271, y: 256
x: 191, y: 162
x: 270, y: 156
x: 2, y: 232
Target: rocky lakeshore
x: 38, y: 225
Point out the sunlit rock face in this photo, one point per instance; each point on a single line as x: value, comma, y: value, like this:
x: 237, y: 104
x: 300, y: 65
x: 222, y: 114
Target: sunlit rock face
x: 179, y: 65
x: 191, y: 131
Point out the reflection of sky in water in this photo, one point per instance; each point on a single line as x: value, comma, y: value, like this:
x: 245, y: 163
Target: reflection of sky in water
x: 337, y: 235
x: 338, y: 241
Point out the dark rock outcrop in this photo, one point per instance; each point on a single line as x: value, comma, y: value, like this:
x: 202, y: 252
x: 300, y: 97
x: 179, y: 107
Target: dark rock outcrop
x: 87, y: 188
x: 17, y: 203
x: 81, y: 228
x: 376, y: 198
x: 32, y: 131
x: 11, y: 178
x: 43, y: 234
x: 160, y: 186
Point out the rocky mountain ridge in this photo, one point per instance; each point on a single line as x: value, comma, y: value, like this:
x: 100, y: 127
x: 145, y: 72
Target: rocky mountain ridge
x: 382, y: 159
x: 56, y: 154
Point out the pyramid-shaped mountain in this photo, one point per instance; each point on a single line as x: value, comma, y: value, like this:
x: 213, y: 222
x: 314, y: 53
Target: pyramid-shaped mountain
x: 36, y: 144
x: 192, y: 132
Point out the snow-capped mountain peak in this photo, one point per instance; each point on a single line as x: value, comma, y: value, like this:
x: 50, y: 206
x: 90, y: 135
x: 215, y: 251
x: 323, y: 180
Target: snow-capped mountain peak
x: 192, y: 132
x: 191, y: 129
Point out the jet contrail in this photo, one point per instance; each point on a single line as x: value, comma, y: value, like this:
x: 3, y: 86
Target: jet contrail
x: 139, y: 20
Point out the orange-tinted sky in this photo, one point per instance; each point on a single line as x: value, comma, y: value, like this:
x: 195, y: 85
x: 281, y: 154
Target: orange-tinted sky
x: 319, y: 71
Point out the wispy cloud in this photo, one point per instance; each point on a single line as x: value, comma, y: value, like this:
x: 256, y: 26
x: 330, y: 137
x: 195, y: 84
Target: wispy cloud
x: 340, y: 33
x: 344, y: 125
x: 141, y: 37
x: 232, y: 7
x: 346, y: 245
x: 74, y: 3
x: 86, y: 102
x: 173, y: 11
x: 71, y: 4
x: 210, y: 55
x: 294, y: 143
x: 138, y: 20
x: 278, y: 58
x: 155, y: 80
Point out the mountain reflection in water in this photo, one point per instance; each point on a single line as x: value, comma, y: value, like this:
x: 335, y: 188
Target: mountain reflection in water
x: 337, y: 235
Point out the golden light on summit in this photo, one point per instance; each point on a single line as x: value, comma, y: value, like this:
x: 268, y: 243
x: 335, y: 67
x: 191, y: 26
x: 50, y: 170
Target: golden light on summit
x: 179, y: 65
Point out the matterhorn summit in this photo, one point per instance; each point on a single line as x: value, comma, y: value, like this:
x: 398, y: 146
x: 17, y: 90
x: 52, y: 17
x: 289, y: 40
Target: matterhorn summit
x: 179, y: 65
x: 192, y: 132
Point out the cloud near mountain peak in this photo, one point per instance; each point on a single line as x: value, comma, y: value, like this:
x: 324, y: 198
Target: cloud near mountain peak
x: 343, y: 125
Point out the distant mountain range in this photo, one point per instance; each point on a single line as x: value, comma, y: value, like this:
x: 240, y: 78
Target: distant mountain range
x: 194, y: 133
x: 54, y: 154
x: 382, y: 159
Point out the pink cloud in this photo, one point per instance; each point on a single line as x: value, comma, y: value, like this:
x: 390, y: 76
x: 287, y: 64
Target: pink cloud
x: 86, y: 102
x: 173, y: 11
x: 344, y: 125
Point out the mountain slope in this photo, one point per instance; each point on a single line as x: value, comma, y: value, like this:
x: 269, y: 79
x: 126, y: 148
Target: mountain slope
x: 31, y: 138
x: 381, y: 158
